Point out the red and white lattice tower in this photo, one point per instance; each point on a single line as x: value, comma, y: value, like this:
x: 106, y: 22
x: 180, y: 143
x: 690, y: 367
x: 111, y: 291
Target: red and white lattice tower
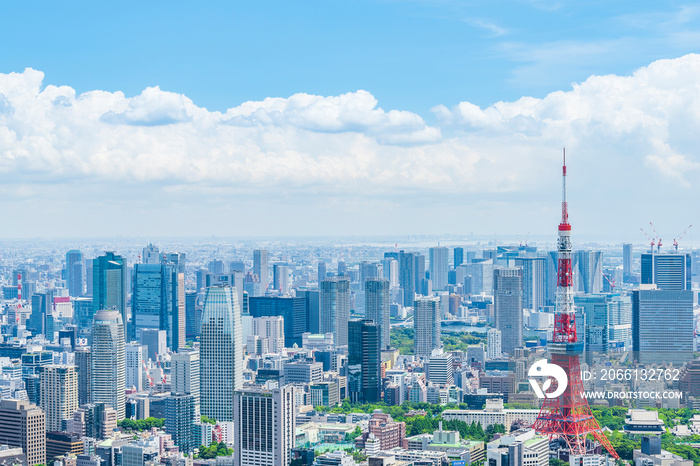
x: 568, y: 416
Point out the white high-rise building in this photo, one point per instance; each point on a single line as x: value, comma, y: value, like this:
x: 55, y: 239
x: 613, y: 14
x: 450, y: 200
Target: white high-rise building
x: 264, y: 426
x: 134, y: 366
x: 493, y: 344
x: 391, y: 271
x: 335, y: 308
x: 270, y: 328
x: 107, y: 360
x: 261, y: 263
x: 439, y: 266
x: 59, y: 394
x: 221, y: 353
x: 184, y: 375
x: 427, y: 332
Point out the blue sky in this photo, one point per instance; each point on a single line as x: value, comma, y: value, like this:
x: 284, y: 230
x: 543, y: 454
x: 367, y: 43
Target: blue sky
x: 411, y: 55
x: 364, y: 114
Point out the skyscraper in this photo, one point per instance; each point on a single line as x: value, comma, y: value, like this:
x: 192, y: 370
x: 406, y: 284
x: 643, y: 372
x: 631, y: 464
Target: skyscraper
x: 378, y: 307
x: 74, y: 273
x: 439, y: 266
x: 364, y: 360
x: 158, y: 301
x: 662, y: 326
x: 407, y: 276
x: 179, y: 420
x: 667, y: 271
x: 184, y: 375
x: 390, y: 268
x: 419, y: 261
x: 293, y: 310
x: 335, y: 308
x: 109, y: 285
x: 133, y: 355
x: 626, y: 261
x: 493, y: 344
x: 280, y: 275
x: 427, y: 331
x: 42, y: 306
x: 260, y: 266
x: 23, y: 424
x: 322, y: 272
x: 108, y: 361
x: 221, y: 353
x: 83, y: 363
x: 588, y: 271
x: 508, y: 307
x: 458, y: 258
x: 151, y: 255
x: 264, y: 426
x: 59, y: 394
x: 533, y: 281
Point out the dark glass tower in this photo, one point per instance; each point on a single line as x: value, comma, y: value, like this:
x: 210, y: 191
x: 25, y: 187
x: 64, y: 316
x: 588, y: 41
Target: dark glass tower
x: 364, y: 360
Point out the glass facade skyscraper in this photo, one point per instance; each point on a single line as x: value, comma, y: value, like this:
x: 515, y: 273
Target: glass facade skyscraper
x: 109, y: 284
x: 221, y: 353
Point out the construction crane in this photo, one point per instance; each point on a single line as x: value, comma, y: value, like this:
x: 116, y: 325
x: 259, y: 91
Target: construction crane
x: 656, y: 236
x: 610, y: 282
x: 675, y: 241
x: 652, y: 242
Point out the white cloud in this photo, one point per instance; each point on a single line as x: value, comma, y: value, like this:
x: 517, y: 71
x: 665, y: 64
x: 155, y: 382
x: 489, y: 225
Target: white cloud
x: 627, y: 135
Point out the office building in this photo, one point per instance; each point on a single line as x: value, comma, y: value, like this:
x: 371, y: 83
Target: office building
x: 193, y: 316
x: 439, y: 369
x: 155, y: 342
x: 322, y: 271
x: 184, y: 375
x: 292, y: 310
x: 83, y: 363
x: 458, y: 257
x: 335, y: 308
x: 62, y: 443
x: 493, y: 344
x: 626, y: 261
x: 427, y: 320
x: 59, y: 394
x: 364, y: 362
x: 23, y: 425
x: 662, y: 326
x: 280, y: 278
x: 108, y: 361
x: 83, y: 312
x: 608, y: 321
x: 42, y: 307
x: 133, y: 354
x: 667, y: 271
x: 221, y: 353
x: 270, y: 329
x: 109, y: 284
x: 180, y: 419
x: 508, y: 307
x: 312, y: 300
x: 439, y: 266
x: 158, y: 301
x: 378, y: 307
x: 520, y: 448
x: 390, y: 271
x: 95, y: 420
x: 324, y: 394
x: 407, y: 276
x: 264, y: 423
x: 303, y: 372
x: 533, y: 281
x: 260, y: 266
x: 588, y: 271
x: 74, y: 273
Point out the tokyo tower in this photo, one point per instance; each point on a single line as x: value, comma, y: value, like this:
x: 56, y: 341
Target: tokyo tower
x: 568, y: 416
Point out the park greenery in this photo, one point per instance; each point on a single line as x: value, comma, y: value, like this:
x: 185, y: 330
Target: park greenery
x: 611, y: 417
x: 130, y: 425
x: 402, y: 338
x: 214, y: 450
x: 208, y: 420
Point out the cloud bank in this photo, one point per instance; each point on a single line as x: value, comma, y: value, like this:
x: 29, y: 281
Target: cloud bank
x: 620, y: 130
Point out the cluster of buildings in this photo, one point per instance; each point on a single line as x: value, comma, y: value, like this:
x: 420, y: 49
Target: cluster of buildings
x: 252, y: 352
